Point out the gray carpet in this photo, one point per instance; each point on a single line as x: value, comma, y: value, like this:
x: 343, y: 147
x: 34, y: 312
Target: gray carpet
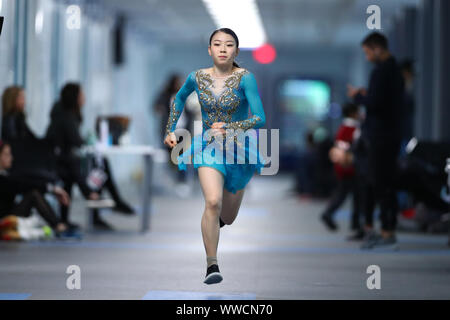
x: 276, y: 249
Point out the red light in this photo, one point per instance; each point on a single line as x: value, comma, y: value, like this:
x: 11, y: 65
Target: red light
x: 265, y: 54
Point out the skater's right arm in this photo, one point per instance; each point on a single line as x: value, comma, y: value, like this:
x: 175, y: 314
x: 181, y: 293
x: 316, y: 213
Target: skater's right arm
x: 177, y: 108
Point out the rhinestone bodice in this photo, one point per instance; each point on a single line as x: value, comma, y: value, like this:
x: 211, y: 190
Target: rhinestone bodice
x: 224, y: 99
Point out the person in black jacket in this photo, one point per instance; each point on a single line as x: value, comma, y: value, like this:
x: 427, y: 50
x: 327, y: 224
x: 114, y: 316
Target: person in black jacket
x: 33, y: 195
x: 384, y: 102
x: 14, y: 126
x: 23, y: 141
x: 63, y: 134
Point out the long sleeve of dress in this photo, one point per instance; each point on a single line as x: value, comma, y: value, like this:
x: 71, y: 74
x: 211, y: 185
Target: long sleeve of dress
x: 258, y: 118
x: 178, y: 104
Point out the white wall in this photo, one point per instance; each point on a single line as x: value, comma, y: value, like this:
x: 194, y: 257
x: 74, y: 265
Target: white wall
x: 7, y: 59
x: 38, y: 65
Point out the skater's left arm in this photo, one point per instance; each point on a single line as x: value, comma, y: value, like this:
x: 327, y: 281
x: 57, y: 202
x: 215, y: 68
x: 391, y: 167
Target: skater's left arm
x: 258, y: 120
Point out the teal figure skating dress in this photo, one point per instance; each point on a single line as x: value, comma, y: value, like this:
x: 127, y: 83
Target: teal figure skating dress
x: 225, y: 99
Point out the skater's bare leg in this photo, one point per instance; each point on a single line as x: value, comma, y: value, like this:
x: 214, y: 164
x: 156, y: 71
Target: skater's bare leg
x: 211, y: 181
x: 230, y: 205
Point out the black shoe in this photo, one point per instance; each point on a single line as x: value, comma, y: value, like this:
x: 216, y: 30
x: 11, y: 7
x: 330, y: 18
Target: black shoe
x: 221, y: 222
x: 124, y: 208
x: 69, y: 234
x: 213, y: 275
x: 388, y: 243
x: 329, y: 222
x: 72, y: 226
x: 370, y: 238
x: 100, y: 224
x: 357, y: 236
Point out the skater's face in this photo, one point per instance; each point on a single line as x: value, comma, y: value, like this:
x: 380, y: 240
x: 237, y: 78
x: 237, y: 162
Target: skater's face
x: 223, y: 49
x: 6, y: 157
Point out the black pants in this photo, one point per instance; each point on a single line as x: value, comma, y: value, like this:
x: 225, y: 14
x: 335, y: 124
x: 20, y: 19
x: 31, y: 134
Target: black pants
x: 109, y: 186
x: 69, y: 169
x: 346, y: 186
x: 364, y: 185
x: 35, y: 199
x: 383, y: 155
x: 367, y: 200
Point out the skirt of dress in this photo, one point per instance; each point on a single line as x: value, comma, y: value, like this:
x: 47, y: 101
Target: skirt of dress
x: 236, y: 158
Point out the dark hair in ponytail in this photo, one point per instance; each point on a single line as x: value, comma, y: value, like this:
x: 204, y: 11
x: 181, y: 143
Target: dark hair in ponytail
x: 231, y: 33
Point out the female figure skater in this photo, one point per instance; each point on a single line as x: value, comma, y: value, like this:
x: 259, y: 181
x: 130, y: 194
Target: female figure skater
x: 226, y: 92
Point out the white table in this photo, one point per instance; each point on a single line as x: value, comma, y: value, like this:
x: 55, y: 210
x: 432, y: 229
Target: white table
x: 150, y: 155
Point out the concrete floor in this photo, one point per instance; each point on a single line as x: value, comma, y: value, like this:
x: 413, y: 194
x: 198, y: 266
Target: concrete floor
x: 277, y: 249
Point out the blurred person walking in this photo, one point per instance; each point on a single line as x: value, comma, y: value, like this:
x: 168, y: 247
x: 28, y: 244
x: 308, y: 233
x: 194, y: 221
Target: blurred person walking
x: 383, y: 100
x: 347, y: 185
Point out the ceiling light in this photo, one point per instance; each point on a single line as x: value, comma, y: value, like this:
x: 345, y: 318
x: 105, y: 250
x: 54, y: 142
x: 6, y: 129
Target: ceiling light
x: 39, y: 22
x: 242, y: 16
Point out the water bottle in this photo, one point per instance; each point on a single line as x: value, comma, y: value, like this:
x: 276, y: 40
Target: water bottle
x: 104, y: 132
